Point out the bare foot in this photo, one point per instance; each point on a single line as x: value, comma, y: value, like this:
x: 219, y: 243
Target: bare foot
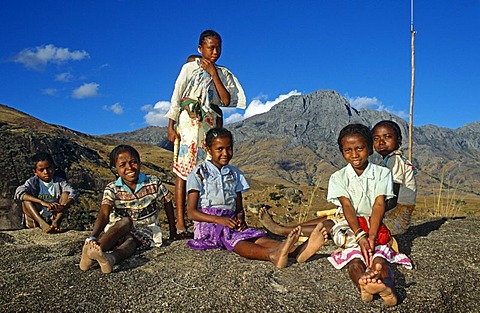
x: 375, y: 285
x: 317, y: 239
x: 270, y: 224
x: 85, y: 261
x: 365, y: 295
x: 106, y: 260
x: 279, y: 257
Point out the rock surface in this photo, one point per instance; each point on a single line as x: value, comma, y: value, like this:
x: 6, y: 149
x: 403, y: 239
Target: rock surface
x: 39, y: 273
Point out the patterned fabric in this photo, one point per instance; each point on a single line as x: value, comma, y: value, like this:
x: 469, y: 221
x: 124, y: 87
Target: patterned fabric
x: 397, y: 219
x: 217, y: 236
x: 360, y: 190
x: 195, y: 83
x: 343, y: 257
x: 344, y: 237
x: 218, y: 187
x: 142, y: 206
x: 192, y: 147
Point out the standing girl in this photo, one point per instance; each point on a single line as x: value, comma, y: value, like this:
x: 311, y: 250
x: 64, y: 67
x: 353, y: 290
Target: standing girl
x: 215, y: 204
x: 387, y: 139
x: 360, y: 190
x: 128, y: 217
x: 201, y: 87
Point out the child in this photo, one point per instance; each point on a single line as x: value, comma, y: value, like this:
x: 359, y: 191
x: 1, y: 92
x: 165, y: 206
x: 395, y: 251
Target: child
x: 387, y: 139
x: 129, y: 213
x: 215, y: 204
x: 360, y: 190
x: 45, y: 197
x: 201, y: 87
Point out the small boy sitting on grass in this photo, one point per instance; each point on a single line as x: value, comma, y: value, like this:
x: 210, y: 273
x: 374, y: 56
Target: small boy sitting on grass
x: 45, y: 197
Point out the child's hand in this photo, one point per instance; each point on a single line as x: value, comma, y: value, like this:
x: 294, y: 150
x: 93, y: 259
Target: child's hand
x: 56, y: 207
x: 367, y: 251
x: 226, y: 221
x: 208, y: 66
x: 172, y: 135
x: 241, y: 225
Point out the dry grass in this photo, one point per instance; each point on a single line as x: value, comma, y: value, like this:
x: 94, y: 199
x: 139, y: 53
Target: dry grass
x: 447, y: 202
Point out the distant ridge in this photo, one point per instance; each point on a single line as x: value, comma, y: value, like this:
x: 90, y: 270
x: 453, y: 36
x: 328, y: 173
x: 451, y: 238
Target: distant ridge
x: 296, y: 142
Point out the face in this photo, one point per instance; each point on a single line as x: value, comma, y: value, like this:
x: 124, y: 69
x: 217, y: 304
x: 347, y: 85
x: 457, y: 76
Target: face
x: 44, y: 171
x: 221, y: 151
x: 355, y: 152
x: 128, y: 168
x: 384, y: 140
x: 211, y: 49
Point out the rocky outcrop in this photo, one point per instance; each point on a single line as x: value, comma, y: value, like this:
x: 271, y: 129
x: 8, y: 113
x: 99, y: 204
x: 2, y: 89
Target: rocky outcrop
x: 39, y: 273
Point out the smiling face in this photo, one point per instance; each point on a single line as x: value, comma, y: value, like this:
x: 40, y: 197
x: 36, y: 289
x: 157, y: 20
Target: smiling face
x: 128, y: 168
x: 44, y: 170
x: 385, y: 140
x: 211, y: 49
x: 221, y: 151
x: 356, y: 152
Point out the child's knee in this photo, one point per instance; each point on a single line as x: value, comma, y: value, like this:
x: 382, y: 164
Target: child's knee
x: 125, y: 222
x: 356, y: 265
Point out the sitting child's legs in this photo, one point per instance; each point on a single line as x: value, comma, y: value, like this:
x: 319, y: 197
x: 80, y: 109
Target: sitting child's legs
x: 277, y: 229
x: 268, y: 249
x: 31, y: 211
x: 96, y: 251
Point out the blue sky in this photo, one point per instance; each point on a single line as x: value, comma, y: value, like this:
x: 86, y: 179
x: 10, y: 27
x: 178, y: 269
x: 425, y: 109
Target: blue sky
x: 103, y: 67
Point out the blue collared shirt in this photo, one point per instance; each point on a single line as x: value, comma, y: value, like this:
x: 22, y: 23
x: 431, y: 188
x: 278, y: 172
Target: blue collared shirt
x: 218, y: 187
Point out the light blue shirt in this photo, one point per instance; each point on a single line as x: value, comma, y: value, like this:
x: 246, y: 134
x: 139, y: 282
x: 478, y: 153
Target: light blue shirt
x: 360, y: 190
x: 218, y: 187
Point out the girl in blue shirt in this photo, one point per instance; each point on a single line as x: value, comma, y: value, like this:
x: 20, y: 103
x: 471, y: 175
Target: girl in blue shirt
x: 215, y: 204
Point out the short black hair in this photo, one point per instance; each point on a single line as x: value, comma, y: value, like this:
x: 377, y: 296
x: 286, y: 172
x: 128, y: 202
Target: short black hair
x: 356, y: 129
x: 209, y: 33
x: 42, y: 156
x: 119, y: 149
x: 216, y: 133
x: 394, y: 126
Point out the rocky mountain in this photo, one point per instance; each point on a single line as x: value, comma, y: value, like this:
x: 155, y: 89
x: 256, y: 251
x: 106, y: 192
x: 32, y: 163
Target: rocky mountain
x: 296, y: 143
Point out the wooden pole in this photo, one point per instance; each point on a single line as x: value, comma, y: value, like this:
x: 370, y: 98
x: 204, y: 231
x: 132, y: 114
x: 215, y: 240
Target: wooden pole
x: 412, y: 88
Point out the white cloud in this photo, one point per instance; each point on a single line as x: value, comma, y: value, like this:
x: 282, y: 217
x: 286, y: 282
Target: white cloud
x: 258, y: 107
x: 115, y: 108
x: 37, y: 58
x: 87, y: 90
x: 373, y: 103
x: 49, y: 91
x: 64, y: 77
x: 156, y: 115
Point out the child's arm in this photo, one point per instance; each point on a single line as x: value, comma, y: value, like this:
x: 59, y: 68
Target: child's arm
x: 198, y: 216
x: 241, y: 224
x: 222, y: 91
x: 101, y: 221
x: 392, y: 202
x: 28, y: 197
x: 351, y: 217
x: 378, y: 210
x: 172, y: 133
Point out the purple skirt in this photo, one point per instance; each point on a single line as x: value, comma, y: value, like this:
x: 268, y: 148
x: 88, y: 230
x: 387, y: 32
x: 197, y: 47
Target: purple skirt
x: 217, y: 236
